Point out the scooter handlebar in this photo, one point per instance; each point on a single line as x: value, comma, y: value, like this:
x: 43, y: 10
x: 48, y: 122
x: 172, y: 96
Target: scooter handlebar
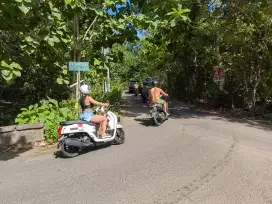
x: 102, y: 108
x: 166, y: 98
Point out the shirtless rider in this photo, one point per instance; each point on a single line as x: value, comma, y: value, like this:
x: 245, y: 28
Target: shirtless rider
x: 155, y: 96
x: 136, y: 85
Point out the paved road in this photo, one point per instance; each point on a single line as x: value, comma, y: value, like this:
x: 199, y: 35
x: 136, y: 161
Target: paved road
x: 192, y: 158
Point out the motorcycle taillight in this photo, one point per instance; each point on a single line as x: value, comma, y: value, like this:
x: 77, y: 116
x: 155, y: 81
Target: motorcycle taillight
x: 80, y: 125
x: 59, y: 130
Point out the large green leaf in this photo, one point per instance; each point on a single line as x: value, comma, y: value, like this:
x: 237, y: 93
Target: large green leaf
x: 29, y: 39
x: 6, y: 73
x: 4, y: 64
x: 57, y: 15
x: 68, y: 1
x: 15, y: 66
x: 24, y: 8
x: 50, y: 41
x: 97, y: 62
x: 59, y: 80
x: 56, y: 39
x: 17, y: 73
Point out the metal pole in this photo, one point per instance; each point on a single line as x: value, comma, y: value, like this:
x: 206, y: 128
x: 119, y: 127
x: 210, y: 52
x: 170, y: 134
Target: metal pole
x: 76, y: 52
x: 105, y: 87
x: 105, y: 82
x: 108, y: 70
x: 108, y: 76
x: 75, y: 55
x: 78, y: 86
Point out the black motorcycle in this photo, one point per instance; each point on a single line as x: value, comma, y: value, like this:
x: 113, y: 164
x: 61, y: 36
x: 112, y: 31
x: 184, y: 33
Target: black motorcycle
x: 136, y: 91
x: 145, y: 94
x: 157, y: 114
x: 144, y: 97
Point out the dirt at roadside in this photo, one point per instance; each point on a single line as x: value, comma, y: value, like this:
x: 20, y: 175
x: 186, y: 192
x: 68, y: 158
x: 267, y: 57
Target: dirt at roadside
x: 40, y: 150
x: 12, y: 152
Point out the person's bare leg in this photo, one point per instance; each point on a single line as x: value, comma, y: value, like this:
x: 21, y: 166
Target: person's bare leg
x: 164, y: 106
x: 102, y: 120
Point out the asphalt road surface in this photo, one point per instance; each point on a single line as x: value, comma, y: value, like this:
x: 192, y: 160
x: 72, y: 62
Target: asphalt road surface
x: 194, y: 157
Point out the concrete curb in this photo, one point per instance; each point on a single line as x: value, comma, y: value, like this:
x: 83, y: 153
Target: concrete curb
x: 21, y: 135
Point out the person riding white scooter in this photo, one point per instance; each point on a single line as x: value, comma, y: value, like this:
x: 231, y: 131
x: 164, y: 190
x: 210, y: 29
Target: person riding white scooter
x: 87, y: 102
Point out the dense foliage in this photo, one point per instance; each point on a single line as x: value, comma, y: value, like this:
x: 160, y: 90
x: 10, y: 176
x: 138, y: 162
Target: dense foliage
x: 184, y: 40
x: 38, y: 38
x: 234, y: 34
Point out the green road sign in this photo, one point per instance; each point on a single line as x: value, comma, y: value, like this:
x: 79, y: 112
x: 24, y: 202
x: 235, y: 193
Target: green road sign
x: 78, y: 66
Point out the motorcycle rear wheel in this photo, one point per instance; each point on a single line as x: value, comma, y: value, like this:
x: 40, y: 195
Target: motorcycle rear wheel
x: 157, y: 120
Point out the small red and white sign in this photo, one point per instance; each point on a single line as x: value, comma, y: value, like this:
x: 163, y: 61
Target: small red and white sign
x: 218, y: 73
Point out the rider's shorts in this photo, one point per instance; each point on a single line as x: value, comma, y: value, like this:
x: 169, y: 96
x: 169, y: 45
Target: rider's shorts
x: 160, y: 101
x: 87, y: 115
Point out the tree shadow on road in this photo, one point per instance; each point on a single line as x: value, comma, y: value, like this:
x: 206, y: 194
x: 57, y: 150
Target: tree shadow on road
x: 187, y: 112
x: 133, y: 107
x: 58, y: 154
x: 9, y: 151
x: 145, y: 122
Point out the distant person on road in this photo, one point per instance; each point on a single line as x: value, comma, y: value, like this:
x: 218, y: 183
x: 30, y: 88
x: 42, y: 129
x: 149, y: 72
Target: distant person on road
x: 155, y: 96
x: 136, y: 85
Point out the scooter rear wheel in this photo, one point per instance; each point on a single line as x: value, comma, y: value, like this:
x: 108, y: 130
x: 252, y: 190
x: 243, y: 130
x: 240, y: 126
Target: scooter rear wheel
x: 68, y: 151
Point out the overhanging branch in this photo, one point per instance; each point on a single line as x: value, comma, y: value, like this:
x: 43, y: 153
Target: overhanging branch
x: 89, y: 28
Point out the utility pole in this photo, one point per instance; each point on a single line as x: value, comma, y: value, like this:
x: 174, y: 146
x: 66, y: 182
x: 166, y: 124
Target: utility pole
x: 106, y: 52
x: 105, y: 82
x: 76, y: 55
x: 108, y: 85
x: 108, y: 78
x: 219, y: 68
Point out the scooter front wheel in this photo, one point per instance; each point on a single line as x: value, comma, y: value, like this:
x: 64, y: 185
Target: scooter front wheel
x: 120, y: 137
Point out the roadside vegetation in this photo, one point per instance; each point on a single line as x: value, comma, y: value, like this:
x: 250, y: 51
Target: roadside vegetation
x: 182, y: 42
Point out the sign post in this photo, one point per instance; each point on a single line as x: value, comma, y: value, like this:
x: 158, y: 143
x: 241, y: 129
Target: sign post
x: 78, y: 67
x: 219, y: 76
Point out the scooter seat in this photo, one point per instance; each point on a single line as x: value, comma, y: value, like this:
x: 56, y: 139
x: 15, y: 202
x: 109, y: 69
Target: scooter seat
x: 156, y: 105
x: 71, y: 122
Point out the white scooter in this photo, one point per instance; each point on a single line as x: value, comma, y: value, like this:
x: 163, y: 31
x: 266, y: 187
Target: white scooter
x: 76, y: 135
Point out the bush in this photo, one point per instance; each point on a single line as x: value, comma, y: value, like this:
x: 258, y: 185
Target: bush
x: 113, y: 97
x: 51, y: 113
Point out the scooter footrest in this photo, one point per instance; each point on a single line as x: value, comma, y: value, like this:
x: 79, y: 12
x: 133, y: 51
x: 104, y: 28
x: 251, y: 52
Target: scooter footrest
x: 109, y: 132
x: 103, y: 137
